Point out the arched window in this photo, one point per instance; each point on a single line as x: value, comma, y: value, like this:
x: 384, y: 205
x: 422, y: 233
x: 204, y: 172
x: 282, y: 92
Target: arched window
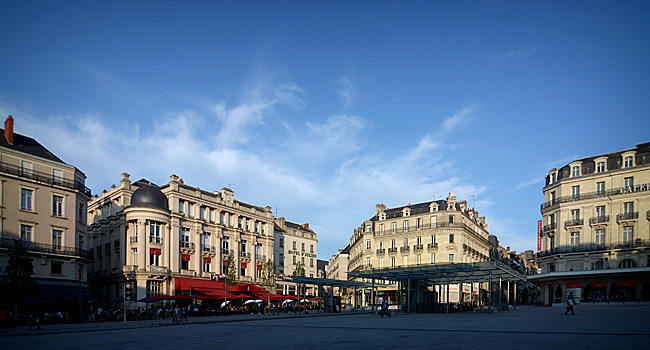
x: 626, y: 264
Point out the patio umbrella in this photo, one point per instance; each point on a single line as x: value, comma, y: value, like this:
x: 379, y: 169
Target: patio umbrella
x: 115, y: 300
x: 148, y: 300
x: 225, y: 303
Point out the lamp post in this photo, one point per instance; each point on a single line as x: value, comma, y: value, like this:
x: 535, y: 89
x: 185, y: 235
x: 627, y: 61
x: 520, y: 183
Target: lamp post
x: 79, y: 271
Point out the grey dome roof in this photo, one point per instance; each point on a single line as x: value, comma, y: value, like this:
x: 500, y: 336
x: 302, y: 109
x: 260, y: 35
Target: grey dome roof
x: 149, y: 195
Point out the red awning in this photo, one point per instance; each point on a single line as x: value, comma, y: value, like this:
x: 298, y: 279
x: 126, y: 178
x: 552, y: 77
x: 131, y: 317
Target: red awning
x: 599, y: 284
x: 207, y: 260
x: 259, y: 267
x: 574, y: 284
x: 225, y: 262
x: 185, y: 257
x: 244, y: 265
x: 155, y: 251
x: 172, y: 297
x: 627, y: 283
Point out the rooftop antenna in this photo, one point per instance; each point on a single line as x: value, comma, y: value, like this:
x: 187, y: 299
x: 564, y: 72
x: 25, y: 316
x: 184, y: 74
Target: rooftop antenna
x: 230, y: 185
x: 434, y: 194
x: 473, y: 201
x: 276, y: 211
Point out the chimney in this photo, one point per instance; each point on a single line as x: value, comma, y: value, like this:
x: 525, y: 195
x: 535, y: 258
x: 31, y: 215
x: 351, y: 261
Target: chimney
x: 9, y: 129
x: 306, y: 226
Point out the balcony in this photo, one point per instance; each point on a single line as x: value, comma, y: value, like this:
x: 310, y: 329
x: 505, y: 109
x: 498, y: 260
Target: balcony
x: 155, y: 240
x: 392, y: 250
x: 48, y: 248
x: 186, y: 245
x: 381, y: 251
x: 632, y: 216
x: 599, y: 220
x: 404, y: 249
x: 41, y: 177
x: 432, y: 246
x: 550, y: 227
x: 260, y: 257
x: 161, y: 270
x: 134, y: 239
x: 583, y: 196
x: 574, y: 223
x: 592, y: 247
x: 208, y: 249
x: 418, y: 247
x: 226, y: 251
x: 245, y: 255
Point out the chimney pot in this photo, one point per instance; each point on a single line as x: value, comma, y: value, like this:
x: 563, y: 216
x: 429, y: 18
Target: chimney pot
x: 9, y: 129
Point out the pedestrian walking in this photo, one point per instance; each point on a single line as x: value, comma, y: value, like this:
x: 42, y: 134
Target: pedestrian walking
x: 570, y: 301
x: 384, y: 308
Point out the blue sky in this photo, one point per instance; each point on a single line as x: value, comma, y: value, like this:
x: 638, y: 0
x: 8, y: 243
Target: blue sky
x: 324, y: 109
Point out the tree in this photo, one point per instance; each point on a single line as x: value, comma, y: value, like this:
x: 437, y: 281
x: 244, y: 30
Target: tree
x: 19, y: 270
x: 299, y: 270
x: 231, y: 272
x: 268, y: 278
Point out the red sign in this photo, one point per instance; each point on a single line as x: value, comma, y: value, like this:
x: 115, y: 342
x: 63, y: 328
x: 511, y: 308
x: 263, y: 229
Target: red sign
x: 626, y: 283
x: 599, y: 284
x: 186, y: 257
x: 207, y: 260
x: 574, y: 284
x: 225, y: 262
x: 244, y: 265
x: 539, y: 235
x: 155, y: 251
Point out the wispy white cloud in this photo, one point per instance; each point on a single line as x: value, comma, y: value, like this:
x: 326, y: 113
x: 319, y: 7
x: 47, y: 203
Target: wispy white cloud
x: 516, y: 54
x: 530, y: 182
x: 346, y: 91
x: 353, y: 175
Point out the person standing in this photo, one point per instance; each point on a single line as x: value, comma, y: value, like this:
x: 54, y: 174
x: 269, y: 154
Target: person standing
x: 570, y: 301
x: 384, y: 308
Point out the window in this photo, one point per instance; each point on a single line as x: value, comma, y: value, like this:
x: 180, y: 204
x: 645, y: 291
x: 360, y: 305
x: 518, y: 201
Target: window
x: 575, y: 171
x: 628, y: 207
x: 181, y: 206
x: 575, y: 238
x: 294, y: 259
x: 190, y: 210
x: 419, y: 223
x: 575, y: 214
x: 368, y: 228
x: 575, y: 192
x: 82, y: 213
x: 600, y: 211
x: 627, y: 264
x: 257, y: 226
x: 394, y: 224
x: 392, y: 262
x: 418, y: 259
x: 311, y: 248
x: 407, y: 213
x: 303, y: 247
x: 600, y: 236
x: 600, y: 167
x: 243, y: 270
x: 154, y: 232
x: 629, y: 183
x: 311, y: 262
x: 206, y: 264
x: 451, y: 238
x: 551, y: 243
x: 392, y: 244
x: 27, y: 168
x: 154, y: 259
x: 302, y: 261
x: 433, y: 258
x: 239, y: 222
x: 56, y: 268
x: 381, y: 229
x: 600, y: 188
x: 599, y: 264
x: 26, y: 232
x: 26, y: 197
x: 185, y: 237
x: 451, y: 258
x: 406, y: 226
x: 406, y: 242
x: 294, y: 245
x: 381, y: 263
x: 206, y: 239
x: 185, y: 263
x: 222, y: 218
x: 225, y: 244
x: 451, y: 219
x: 419, y: 240
x: 628, y: 234
x: 57, y: 239
x: 628, y: 162
x: 368, y: 244
x: 553, y: 178
x: 281, y: 242
x: 202, y: 215
x: 242, y: 246
x: 434, y: 222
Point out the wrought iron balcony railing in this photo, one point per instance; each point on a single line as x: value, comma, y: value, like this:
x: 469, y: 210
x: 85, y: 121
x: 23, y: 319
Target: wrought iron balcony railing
x: 418, y: 247
x: 432, y: 246
x: 599, y: 219
x: 43, y: 178
x: 381, y: 250
x: 187, y: 245
x: 550, y: 227
x: 392, y: 250
x: 627, y: 216
x: 155, y: 239
x: 47, y: 248
x: 574, y: 222
x: 638, y: 243
x: 208, y: 249
x: 404, y: 249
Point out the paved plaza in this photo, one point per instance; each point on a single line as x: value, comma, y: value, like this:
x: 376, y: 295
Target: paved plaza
x: 593, y: 327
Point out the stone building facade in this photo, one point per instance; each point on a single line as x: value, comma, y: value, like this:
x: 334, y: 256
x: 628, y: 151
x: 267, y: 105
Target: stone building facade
x: 596, y: 228
x: 147, y: 236
x: 294, y: 244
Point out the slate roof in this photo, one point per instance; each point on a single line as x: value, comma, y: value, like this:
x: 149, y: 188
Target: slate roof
x: 28, y: 145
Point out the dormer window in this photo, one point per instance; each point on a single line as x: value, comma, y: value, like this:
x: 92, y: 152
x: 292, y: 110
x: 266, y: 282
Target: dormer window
x: 382, y: 217
x: 553, y: 178
x: 407, y: 212
x: 600, y: 167
x: 575, y: 171
x: 628, y: 161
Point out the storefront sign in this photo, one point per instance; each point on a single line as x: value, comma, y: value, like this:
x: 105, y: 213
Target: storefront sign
x: 574, y: 285
x: 599, y: 284
x: 637, y: 188
x: 155, y: 251
x: 295, y: 252
x: 185, y: 257
x: 629, y: 283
